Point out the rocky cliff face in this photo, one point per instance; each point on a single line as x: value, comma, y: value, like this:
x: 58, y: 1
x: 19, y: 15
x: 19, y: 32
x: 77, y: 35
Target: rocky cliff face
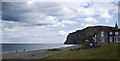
x: 80, y: 36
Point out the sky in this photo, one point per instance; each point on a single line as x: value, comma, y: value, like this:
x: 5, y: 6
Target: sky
x: 51, y: 22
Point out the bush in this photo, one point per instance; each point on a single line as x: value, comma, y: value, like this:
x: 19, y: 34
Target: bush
x: 54, y: 50
x: 33, y: 55
x: 81, y: 47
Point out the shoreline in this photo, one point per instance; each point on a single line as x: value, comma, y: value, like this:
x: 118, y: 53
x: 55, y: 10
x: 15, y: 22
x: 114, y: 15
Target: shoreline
x: 36, y: 54
x: 32, y: 49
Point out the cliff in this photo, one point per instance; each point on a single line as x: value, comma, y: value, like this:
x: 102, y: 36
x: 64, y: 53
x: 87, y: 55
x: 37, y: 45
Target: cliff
x: 80, y: 36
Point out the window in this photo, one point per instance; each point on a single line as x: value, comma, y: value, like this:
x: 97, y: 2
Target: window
x: 115, y: 39
x: 116, y: 33
x: 102, y: 34
x: 110, y: 38
x: 102, y: 37
x: 95, y: 36
x: 110, y: 33
x: 94, y: 39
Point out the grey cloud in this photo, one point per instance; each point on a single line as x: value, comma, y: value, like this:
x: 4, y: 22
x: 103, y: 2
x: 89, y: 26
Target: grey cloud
x: 37, y: 13
x: 0, y: 10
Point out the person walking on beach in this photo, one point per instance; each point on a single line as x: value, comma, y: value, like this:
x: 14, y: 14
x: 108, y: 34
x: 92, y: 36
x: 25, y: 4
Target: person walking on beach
x: 24, y: 49
x: 16, y: 51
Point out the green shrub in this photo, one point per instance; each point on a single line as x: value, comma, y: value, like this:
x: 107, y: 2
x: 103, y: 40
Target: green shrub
x: 33, y: 55
x: 81, y: 47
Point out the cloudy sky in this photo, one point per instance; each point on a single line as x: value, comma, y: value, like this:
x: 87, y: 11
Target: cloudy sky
x: 51, y: 22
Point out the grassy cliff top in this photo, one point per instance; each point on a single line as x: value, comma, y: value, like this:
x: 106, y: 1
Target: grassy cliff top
x: 109, y: 51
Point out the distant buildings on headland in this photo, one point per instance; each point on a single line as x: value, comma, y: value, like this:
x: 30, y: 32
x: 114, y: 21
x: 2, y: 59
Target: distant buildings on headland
x: 95, y: 35
x: 107, y: 35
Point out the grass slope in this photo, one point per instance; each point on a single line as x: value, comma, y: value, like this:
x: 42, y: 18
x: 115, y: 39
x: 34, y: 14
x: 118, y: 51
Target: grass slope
x: 109, y: 51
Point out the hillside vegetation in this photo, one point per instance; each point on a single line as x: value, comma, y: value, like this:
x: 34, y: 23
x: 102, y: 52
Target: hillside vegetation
x: 109, y: 51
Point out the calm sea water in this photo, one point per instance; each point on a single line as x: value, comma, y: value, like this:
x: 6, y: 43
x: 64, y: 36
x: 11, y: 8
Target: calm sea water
x: 7, y: 48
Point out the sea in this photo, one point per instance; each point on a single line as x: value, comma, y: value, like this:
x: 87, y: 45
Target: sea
x: 9, y: 48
